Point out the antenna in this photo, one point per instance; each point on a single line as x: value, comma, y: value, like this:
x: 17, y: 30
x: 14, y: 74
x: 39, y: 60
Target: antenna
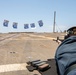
x: 54, y: 22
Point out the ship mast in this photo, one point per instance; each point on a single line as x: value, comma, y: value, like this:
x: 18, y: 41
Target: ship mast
x: 54, y: 22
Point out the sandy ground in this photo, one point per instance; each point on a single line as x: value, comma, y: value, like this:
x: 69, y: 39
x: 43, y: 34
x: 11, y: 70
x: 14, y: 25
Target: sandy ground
x: 18, y: 48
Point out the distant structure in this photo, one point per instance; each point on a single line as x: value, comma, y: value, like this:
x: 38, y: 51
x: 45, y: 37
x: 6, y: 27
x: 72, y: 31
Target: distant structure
x: 54, y: 22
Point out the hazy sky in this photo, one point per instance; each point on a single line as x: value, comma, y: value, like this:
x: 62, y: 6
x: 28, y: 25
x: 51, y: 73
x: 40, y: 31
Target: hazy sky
x: 31, y: 11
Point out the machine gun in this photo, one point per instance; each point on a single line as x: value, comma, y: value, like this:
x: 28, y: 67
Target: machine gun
x: 58, y: 40
x: 70, y: 32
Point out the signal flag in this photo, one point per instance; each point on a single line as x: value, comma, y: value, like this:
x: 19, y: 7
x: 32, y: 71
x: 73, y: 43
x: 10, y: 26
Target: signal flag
x: 26, y: 26
x: 32, y: 25
x: 15, y: 25
x: 40, y: 23
x: 5, y: 23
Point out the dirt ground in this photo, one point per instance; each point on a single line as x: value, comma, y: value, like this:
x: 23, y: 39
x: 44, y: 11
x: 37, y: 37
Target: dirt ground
x: 18, y: 48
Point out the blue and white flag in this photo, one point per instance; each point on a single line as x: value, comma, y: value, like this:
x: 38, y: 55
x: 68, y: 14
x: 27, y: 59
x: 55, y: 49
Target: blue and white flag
x: 5, y: 23
x: 40, y: 23
x: 26, y: 26
x: 32, y: 25
x: 15, y: 25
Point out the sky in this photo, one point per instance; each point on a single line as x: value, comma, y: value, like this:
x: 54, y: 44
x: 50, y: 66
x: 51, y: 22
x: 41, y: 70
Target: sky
x: 31, y: 11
